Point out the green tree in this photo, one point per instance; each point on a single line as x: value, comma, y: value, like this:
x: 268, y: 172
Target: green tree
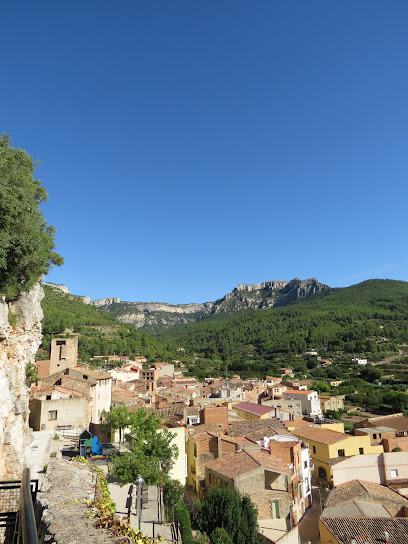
x: 151, y: 452
x: 26, y: 241
x: 371, y: 374
x: 225, y: 507
x: 119, y: 418
x: 31, y: 374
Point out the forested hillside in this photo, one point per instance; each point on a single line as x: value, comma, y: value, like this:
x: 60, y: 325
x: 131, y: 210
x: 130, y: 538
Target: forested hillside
x: 99, y: 333
x: 369, y: 317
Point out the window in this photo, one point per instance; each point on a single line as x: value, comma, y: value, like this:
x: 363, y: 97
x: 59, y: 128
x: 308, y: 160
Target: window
x: 305, y: 464
x: 52, y: 414
x: 314, y: 449
x: 361, y: 451
x: 375, y: 436
x: 341, y: 453
x: 195, y: 450
x: 48, y: 397
x: 394, y: 473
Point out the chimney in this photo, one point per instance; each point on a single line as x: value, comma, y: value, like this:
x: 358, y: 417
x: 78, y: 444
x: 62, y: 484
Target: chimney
x: 386, y: 537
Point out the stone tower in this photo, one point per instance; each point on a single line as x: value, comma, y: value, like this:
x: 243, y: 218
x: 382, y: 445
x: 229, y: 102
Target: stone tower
x: 63, y: 354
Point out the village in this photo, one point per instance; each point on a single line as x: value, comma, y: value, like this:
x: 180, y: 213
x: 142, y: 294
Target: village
x: 309, y: 479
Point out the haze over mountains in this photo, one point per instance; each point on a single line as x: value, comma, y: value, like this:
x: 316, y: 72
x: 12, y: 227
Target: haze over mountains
x: 269, y: 294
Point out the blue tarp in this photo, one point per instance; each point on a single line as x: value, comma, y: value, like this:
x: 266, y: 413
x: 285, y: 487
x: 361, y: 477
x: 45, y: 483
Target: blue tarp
x: 96, y: 446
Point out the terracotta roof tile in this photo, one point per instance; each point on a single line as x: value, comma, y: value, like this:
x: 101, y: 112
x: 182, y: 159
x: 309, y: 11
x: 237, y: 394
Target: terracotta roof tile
x: 323, y: 436
x: 367, y: 491
x: 239, y: 463
x: 369, y: 530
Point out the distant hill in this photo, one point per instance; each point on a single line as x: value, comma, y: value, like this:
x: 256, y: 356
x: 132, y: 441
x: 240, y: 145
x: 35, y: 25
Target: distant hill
x: 369, y: 317
x: 156, y: 316
x: 99, y: 333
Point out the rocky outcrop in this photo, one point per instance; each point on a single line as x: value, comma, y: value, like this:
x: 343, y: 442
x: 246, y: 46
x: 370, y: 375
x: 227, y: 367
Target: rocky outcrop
x: 20, y: 337
x: 59, y: 287
x: 257, y: 296
x: 105, y: 301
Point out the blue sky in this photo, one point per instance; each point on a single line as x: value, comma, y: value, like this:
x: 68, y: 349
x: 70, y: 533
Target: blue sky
x: 188, y: 147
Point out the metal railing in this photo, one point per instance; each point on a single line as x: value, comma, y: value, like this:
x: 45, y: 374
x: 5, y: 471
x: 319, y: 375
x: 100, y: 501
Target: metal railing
x: 26, y: 530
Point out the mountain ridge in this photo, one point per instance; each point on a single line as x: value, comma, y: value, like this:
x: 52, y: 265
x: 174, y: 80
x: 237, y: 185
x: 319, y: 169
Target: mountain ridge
x: 244, y: 297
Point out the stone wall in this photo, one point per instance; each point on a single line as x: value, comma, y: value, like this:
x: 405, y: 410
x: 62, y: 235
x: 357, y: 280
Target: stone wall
x: 61, y: 508
x: 19, y: 343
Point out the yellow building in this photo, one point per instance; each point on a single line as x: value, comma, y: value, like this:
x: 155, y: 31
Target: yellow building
x: 250, y: 410
x: 293, y: 424
x: 202, y: 448
x: 328, y: 447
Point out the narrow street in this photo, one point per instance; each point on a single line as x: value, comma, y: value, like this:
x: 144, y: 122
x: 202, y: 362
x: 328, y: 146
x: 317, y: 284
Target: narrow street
x: 309, y: 524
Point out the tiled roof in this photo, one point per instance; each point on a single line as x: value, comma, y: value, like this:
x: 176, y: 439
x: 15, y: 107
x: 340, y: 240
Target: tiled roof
x: 252, y: 408
x: 398, y: 422
x: 369, y: 530
x: 323, y: 436
x: 271, y: 426
x: 396, y: 481
x: 239, y: 463
x: 367, y: 491
x: 297, y: 423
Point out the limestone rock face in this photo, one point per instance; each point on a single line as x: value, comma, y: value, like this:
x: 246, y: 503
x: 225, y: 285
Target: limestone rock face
x: 104, y: 301
x: 258, y: 296
x: 18, y: 346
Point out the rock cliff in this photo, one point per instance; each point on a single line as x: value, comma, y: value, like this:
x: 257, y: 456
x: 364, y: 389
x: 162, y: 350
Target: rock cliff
x: 20, y: 337
x: 258, y: 296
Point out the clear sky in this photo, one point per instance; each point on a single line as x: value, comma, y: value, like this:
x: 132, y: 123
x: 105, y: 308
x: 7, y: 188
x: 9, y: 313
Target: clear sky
x: 189, y: 146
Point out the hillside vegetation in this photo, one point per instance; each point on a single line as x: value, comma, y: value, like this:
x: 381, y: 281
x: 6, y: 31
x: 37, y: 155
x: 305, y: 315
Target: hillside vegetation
x: 369, y: 317
x: 99, y: 333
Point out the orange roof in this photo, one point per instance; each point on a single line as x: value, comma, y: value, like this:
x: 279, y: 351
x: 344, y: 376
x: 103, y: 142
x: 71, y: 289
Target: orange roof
x: 239, y: 463
x: 323, y: 436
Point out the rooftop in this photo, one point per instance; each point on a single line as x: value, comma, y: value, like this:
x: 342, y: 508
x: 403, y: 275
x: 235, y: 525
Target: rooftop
x: 321, y: 435
x: 237, y: 464
x: 252, y: 408
x: 368, y: 492
x: 364, y: 530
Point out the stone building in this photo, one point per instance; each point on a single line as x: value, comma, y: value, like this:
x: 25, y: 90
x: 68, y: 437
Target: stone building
x: 202, y: 448
x: 63, y: 354
x: 265, y: 478
x: 54, y: 406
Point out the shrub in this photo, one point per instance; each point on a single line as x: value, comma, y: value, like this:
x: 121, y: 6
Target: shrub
x: 172, y: 496
x: 185, y: 526
x: 225, y: 507
x: 220, y: 536
x: 201, y: 538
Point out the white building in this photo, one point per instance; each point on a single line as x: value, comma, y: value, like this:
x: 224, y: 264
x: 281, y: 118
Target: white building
x: 358, y: 361
x: 309, y: 399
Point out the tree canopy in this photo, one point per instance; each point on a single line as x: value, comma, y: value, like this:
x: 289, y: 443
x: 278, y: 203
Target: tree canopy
x: 225, y: 507
x: 151, y: 451
x: 26, y: 240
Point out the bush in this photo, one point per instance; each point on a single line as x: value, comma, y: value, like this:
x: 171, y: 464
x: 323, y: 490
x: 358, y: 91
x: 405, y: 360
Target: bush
x: 201, y: 538
x: 193, y: 507
x: 185, y: 526
x: 220, y: 536
x: 225, y: 507
x: 172, y: 496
